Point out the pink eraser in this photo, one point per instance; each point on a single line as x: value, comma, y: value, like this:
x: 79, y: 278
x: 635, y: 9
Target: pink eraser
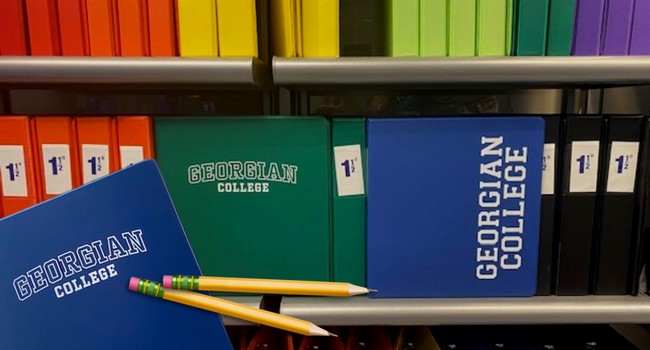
x: 167, y: 281
x: 134, y: 283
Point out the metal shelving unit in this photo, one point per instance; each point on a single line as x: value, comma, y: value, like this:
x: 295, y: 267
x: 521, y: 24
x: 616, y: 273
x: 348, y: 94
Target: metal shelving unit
x: 492, y: 311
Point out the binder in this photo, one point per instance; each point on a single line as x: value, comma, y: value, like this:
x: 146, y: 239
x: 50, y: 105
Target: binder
x: 363, y: 28
x: 589, y: 27
x: 582, y: 149
x: 618, y: 28
x: 57, y: 156
x: 135, y: 139
x: 197, y: 28
x: 433, y: 28
x: 532, y: 25
x: 133, y: 29
x: 237, y: 23
x: 511, y: 25
x: 462, y: 28
x: 73, y: 27
x: 43, y: 28
x: 321, y: 343
x: 619, y: 212
x: 102, y: 29
x: 299, y: 33
x: 162, y: 27
x: 17, y: 170
x: 349, y: 199
x: 560, y: 27
x: 13, y: 28
x: 278, y: 212
x: 491, y: 27
x: 550, y: 185
x: 640, y: 40
x: 416, y: 338
x: 78, y: 252
x: 239, y: 337
x: 269, y: 338
x: 97, y: 141
x: 404, y: 28
x: 283, y: 27
x: 366, y: 338
x: 430, y: 221
x: 320, y: 28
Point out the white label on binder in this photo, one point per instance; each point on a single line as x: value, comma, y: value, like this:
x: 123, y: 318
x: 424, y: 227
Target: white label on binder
x: 56, y: 168
x: 94, y: 161
x: 548, y: 169
x: 349, y: 170
x: 622, y: 167
x: 12, y: 171
x: 584, y: 166
x: 130, y: 155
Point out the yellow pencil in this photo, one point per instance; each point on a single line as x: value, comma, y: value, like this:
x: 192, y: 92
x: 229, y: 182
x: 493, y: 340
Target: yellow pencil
x: 227, y: 308
x: 263, y: 286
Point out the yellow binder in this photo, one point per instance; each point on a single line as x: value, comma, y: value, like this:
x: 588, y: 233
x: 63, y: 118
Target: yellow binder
x: 283, y: 27
x: 297, y: 22
x: 197, y: 28
x: 320, y: 28
x: 237, y: 23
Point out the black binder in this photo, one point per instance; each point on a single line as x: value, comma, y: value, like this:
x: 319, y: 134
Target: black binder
x: 619, y: 213
x: 582, y: 150
x: 550, y: 186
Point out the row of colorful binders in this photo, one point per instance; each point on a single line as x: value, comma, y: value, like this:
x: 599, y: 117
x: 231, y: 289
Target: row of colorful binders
x: 42, y: 157
x: 492, y: 206
x: 436, y: 338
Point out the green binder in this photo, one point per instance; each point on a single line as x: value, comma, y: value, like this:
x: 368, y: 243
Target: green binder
x: 491, y: 27
x: 511, y: 20
x: 560, y: 27
x: 253, y: 193
x: 433, y: 27
x: 349, y: 200
x: 404, y: 27
x: 462, y: 28
x: 531, y: 27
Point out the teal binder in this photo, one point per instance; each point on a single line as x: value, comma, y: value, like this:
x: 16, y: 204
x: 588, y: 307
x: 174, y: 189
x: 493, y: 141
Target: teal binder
x: 532, y: 23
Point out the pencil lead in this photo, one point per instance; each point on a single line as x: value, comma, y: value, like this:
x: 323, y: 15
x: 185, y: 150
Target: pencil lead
x: 333, y: 335
x: 373, y: 290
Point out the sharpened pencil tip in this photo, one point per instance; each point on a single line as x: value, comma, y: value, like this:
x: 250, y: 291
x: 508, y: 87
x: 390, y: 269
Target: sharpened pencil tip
x: 373, y: 290
x: 333, y: 335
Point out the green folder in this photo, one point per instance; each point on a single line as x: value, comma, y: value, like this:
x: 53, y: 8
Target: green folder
x: 433, y: 27
x: 531, y: 27
x: 404, y: 27
x: 462, y: 28
x: 560, y: 27
x: 349, y: 201
x: 253, y: 193
x: 491, y: 27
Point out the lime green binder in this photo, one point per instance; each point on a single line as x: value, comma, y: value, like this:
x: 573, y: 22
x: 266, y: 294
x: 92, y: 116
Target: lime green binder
x: 532, y: 24
x: 253, y: 193
x: 349, y: 200
x: 403, y: 28
x: 511, y: 21
x: 462, y: 28
x: 433, y: 27
x: 491, y: 27
x: 560, y: 27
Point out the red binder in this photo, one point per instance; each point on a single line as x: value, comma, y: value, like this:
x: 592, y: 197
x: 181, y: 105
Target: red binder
x: 133, y: 27
x: 162, y: 27
x: 13, y: 28
x: 102, y: 26
x: 57, y: 155
x: 43, y: 28
x: 135, y: 139
x: 97, y: 140
x: 73, y: 27
x: 269, y: 338
x: 17, y: 171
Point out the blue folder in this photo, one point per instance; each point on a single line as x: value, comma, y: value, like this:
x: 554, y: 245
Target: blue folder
x: 432, y: 230
x: 66, y: 264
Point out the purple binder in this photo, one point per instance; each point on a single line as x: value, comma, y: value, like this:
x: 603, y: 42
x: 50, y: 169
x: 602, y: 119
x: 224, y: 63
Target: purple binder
x: 640, y: 42
x: 618, y: 27
x: 589, y: 26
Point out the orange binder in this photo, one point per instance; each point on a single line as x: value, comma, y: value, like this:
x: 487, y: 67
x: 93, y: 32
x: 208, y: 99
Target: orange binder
x: 73, y: 27
x: 162, y: 28
x: 135, y: 139
x: 269, y: 338
x: 17, y: 172
x: 57, y: 157
x: 13, y: 29
x: 374, y: 338
x: 43, y: 28
x: 101, y: 28
x: 97, y: 144
x: 133, y: 27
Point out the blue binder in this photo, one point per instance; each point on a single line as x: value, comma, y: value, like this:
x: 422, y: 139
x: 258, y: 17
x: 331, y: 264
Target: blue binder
x: 66, y: 264
x: 454, y: 206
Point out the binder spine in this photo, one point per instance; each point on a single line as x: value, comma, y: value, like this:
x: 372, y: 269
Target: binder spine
x: 532, y: 27
x: 618, y: 27
x: 640, y: 40
x: 589, y: 27
x: 13, y: 26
